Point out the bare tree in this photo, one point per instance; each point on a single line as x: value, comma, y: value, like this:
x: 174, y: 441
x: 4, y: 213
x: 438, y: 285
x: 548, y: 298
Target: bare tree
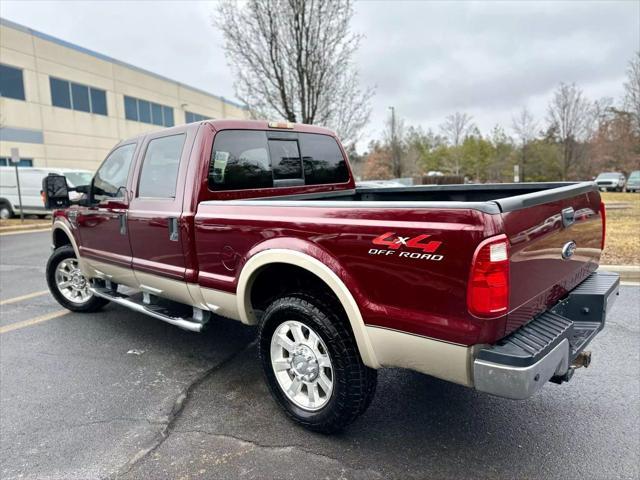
x: 294, y: 59
x: 632, y: 90
x: 570, y: 117
x: 456, y: 128
x: 525, y: 128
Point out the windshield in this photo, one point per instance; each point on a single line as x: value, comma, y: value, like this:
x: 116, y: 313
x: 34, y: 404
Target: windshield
x: 78, y: 178
x: 609, y: 175
x: 635, y: 175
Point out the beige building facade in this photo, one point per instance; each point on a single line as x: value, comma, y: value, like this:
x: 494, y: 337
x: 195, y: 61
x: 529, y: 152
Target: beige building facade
x: 74, y: 105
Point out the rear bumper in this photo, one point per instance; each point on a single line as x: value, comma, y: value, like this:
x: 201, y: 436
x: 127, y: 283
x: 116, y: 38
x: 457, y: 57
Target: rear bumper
x: 546, y: 348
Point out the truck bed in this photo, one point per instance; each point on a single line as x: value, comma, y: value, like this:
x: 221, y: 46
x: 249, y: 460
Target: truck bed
x: 417, y: 295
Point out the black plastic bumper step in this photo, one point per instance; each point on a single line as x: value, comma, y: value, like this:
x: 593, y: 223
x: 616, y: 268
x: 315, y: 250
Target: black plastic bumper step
x: 531, y: 342
x: 578, y: 318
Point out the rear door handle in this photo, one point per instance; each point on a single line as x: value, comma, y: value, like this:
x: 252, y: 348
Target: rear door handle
x: 173, y: 229
x: 122, y: 218
x: 568, y: 217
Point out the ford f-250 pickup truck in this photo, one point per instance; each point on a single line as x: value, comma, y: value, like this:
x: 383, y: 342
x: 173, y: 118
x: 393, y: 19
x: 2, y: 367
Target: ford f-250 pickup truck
x: 489, y: 286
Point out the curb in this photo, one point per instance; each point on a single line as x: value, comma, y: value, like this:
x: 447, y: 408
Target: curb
x: 25, y: 228
x: 628, y: 273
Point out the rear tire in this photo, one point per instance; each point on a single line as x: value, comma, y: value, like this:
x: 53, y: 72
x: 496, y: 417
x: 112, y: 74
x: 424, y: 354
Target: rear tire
x: 67, y: 285
x: 318, y: 379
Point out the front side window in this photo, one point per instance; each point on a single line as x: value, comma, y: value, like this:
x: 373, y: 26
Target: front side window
x: 110, y: 180
x: 240, y: 160
x: 159, y: 174
x: 11, y: 83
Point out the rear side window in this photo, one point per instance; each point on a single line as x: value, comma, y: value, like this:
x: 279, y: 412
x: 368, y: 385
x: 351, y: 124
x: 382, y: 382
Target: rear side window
x: 159, y: 174
x: 322, y: 159
x: 111, y: 178
x: 247, y: 159
x: 240, y: 160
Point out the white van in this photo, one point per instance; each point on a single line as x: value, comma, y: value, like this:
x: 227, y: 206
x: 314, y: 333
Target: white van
x: 30, y: 187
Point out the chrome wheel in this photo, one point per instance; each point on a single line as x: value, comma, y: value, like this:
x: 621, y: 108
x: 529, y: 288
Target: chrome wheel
x: 70, y: 281
x: 302, y: 366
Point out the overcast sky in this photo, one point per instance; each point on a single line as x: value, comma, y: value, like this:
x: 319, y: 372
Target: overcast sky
x: 428, y: 59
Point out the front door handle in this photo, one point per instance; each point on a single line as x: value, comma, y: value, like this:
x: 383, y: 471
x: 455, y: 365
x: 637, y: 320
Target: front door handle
x: 173, y: 229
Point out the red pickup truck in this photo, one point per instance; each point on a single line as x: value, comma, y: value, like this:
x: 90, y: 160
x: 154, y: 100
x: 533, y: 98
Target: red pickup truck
x: 489, y: 286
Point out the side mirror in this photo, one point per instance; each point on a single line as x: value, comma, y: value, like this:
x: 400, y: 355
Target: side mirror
x: 55, y: 191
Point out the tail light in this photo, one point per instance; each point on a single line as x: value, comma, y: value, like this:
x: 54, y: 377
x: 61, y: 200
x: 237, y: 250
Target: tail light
x: 488, y: 288
x: 603, y: 216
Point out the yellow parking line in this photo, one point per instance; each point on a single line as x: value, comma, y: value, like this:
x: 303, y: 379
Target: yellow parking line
x: 33, y: 321
x: 21, y: 232
x: 24, y: 297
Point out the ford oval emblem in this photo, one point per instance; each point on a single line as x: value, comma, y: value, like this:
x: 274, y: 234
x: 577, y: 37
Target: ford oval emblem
x: 569, y: 249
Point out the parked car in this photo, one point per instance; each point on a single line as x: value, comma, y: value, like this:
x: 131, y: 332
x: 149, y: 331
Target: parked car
x: 493, y: 287
x: 31, y: 186
x: 633, y: 183
x: 611, y: 181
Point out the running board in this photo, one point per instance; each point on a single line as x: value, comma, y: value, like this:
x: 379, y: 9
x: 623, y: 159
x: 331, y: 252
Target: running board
x: 193, y: 324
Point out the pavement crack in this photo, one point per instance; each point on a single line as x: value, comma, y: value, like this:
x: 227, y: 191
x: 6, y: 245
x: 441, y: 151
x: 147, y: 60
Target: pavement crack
x: 178, y: 407
x: 278, y: 448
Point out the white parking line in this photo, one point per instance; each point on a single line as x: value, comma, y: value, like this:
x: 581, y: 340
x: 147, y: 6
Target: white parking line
x: 24, y: 297
x: 33, y: 321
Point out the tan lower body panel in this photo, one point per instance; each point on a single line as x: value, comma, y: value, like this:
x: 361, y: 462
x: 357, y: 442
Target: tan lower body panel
x: 95, y: 269
x: 440, y: 359
x: 221, y: 303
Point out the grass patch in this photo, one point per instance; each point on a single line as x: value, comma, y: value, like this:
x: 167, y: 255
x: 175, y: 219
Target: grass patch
x: 622, y: 246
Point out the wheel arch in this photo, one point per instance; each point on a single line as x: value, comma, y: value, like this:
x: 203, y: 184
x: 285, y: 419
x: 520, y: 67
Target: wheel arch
x: 255, y: 264
x: 61, y: 234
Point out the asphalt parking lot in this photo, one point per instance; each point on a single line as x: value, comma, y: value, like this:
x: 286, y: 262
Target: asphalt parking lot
x: 120, y: 395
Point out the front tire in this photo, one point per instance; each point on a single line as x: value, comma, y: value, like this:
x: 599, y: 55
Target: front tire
x: 311, y: 363
x: 6, y: 212
x: 67, y: 284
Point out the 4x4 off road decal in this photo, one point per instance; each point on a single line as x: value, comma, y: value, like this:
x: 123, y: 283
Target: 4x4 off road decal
x: 407, y: 247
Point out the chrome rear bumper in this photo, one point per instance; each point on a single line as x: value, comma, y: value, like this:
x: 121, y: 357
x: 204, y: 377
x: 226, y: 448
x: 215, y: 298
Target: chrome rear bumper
x: 545, y: 349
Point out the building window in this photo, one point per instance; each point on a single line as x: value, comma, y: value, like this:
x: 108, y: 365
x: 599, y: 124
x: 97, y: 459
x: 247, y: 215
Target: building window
x: 191, y: 117
x: 11, y: 82
x: 75, y: 96
x: 147, y: 112
x: 24, y: 162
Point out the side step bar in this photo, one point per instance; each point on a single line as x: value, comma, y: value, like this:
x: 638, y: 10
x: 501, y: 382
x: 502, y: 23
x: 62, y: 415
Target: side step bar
x: 192, y: 324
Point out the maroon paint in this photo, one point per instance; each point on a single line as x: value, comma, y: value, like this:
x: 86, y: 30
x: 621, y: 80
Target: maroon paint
x: 418, y: 296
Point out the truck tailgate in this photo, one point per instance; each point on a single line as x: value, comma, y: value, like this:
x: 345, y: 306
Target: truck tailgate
x: 556, y: 239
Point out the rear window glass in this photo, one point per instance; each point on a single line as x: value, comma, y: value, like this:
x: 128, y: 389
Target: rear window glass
x: 322, y: 159
x: 240, y: 160
x: 247, y: 159
x: 285, y: 159
x: 159, y: 173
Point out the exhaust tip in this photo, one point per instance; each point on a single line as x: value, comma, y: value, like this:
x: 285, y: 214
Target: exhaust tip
x: 583, y: 359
